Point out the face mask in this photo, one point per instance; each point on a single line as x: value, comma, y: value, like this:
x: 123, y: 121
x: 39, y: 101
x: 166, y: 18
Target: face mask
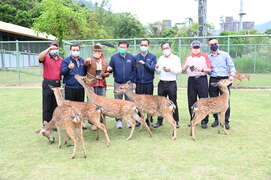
x: 166, y: 52
x: 214, y: 47
x: 143, y: 48
x: 97, y: 55
x: 122, y: 51
x: 75, y: 53
x: 54, y: 52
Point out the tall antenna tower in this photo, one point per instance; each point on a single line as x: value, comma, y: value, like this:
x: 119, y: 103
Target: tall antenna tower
x: 241, y: 14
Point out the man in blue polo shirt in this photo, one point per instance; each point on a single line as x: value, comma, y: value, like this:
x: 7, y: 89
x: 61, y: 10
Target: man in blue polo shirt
x: 222, y: 67
x: 145, y: 68
x: 71, y: 66
x: 122, y: 64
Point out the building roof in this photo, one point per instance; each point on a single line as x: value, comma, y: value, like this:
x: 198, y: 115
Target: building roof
x: 20, y: 30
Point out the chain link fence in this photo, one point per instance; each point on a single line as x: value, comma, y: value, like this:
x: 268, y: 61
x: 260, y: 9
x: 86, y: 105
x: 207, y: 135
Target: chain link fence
x: 19, y: 64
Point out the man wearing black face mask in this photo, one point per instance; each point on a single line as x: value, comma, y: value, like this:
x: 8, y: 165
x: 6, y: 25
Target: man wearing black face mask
x: 51, y: 76
x: 222, y: 67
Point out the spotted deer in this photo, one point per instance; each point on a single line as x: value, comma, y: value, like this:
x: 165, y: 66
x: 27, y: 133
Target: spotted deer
x: 151, y: 104
x: 212, y: 105
x: 88, y: 110
x: 68, y: 118
x: 115, y: 108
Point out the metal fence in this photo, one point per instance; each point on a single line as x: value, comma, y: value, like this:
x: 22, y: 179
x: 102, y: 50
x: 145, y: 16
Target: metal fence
x: 19, y: 63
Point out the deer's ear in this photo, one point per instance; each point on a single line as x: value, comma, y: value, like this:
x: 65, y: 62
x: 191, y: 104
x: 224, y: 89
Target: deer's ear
x: 134, y: 85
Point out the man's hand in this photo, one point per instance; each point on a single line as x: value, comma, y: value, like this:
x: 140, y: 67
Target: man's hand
x: 109, y: 69
x: 52, y: 48
x: 88, y: 61
x: 167, y: 69
x: 231, y: 78
x: 71, y: 65
x: 197, y: 69
x: 141, y: 62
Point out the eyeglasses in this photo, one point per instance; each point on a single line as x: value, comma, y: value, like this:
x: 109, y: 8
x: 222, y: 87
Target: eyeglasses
x: 195, y: 47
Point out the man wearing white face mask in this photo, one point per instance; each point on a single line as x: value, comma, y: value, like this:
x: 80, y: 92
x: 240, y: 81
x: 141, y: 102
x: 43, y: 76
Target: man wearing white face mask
x: 71, y: 66
x: 51, y: 76
x: 145, y: 68
x: 168, y: 67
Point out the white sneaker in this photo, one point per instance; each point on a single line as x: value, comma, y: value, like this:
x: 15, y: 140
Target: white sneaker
x: 128, y: 125
x: 119, y: 124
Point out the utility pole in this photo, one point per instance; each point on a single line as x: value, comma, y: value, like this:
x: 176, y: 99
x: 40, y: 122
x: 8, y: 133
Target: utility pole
x: 241, y: 14
x: 202, y: 17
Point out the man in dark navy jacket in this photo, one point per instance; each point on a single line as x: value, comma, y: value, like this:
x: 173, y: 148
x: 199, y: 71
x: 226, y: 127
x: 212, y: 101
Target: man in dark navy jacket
x: 71, y: 66
x: 122, y: 64
x: 145, y: 68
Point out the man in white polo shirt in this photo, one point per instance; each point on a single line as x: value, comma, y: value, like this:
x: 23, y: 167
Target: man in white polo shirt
x: 168, y: 67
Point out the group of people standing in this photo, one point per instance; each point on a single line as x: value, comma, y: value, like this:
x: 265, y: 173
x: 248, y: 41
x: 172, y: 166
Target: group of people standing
x: 139, y: 69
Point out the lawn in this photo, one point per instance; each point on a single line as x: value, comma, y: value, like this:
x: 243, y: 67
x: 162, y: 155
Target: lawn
x: 243, y: 154
x: 32, y: 76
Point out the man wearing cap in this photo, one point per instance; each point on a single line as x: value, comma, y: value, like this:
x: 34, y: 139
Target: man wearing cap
x: 197, y: 65
x: 145, y: 68
x: 97, y: 68
x: 51, y: 76
x: 222, y: 68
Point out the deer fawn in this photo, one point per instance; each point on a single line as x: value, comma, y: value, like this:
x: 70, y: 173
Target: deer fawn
x: 150, y: 104
x: 213, y: 105
x: 239, y: 76
x: 68, y: 118
x: 114, y: 107
x: 89, y: 111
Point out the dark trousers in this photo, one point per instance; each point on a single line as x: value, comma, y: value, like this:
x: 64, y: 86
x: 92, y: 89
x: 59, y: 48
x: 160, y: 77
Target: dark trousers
x: 75, y: 94
x: 214, y: 92
x: 197, y: 87
x: 144, y: 89
x: 169, y: 89
x: 48, y: 99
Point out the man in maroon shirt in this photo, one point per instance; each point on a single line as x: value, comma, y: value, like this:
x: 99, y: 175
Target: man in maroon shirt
x: 51, y: 76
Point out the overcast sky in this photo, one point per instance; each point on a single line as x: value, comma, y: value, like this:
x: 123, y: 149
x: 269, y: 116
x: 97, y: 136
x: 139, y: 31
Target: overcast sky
x: 149, y: 11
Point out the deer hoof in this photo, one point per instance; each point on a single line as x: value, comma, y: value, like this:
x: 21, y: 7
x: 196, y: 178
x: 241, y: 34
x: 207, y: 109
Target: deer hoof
x: 73, y: 157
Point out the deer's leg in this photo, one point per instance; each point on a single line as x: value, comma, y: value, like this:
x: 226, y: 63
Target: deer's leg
x: 83, y: 141
x: 173, y: 124
x: 132, y: 123
x: 59, y: 137
x: 222, y: 122
x: 103, y: 128
x: 141, y: 119
x: 197, y: 119
x: 97, y: 133
x: 71, y: 133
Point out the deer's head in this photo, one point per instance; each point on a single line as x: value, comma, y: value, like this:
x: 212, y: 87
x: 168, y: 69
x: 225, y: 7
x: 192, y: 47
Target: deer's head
x: 46, y: 132
x: 123, y: 88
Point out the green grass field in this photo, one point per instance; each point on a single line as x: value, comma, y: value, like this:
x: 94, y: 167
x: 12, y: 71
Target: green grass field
x: 32, y: 76
x: 243, y: 154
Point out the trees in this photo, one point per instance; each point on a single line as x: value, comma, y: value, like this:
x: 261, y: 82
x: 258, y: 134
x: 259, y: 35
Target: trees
x: 20, y: 12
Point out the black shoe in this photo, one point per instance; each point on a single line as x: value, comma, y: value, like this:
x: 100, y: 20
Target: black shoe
x: 215, y: 123
x: 227, y: 126
x: 138, y: 124
x: 204, y: 126
x: 156, y: 125
x: 177, y: 125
